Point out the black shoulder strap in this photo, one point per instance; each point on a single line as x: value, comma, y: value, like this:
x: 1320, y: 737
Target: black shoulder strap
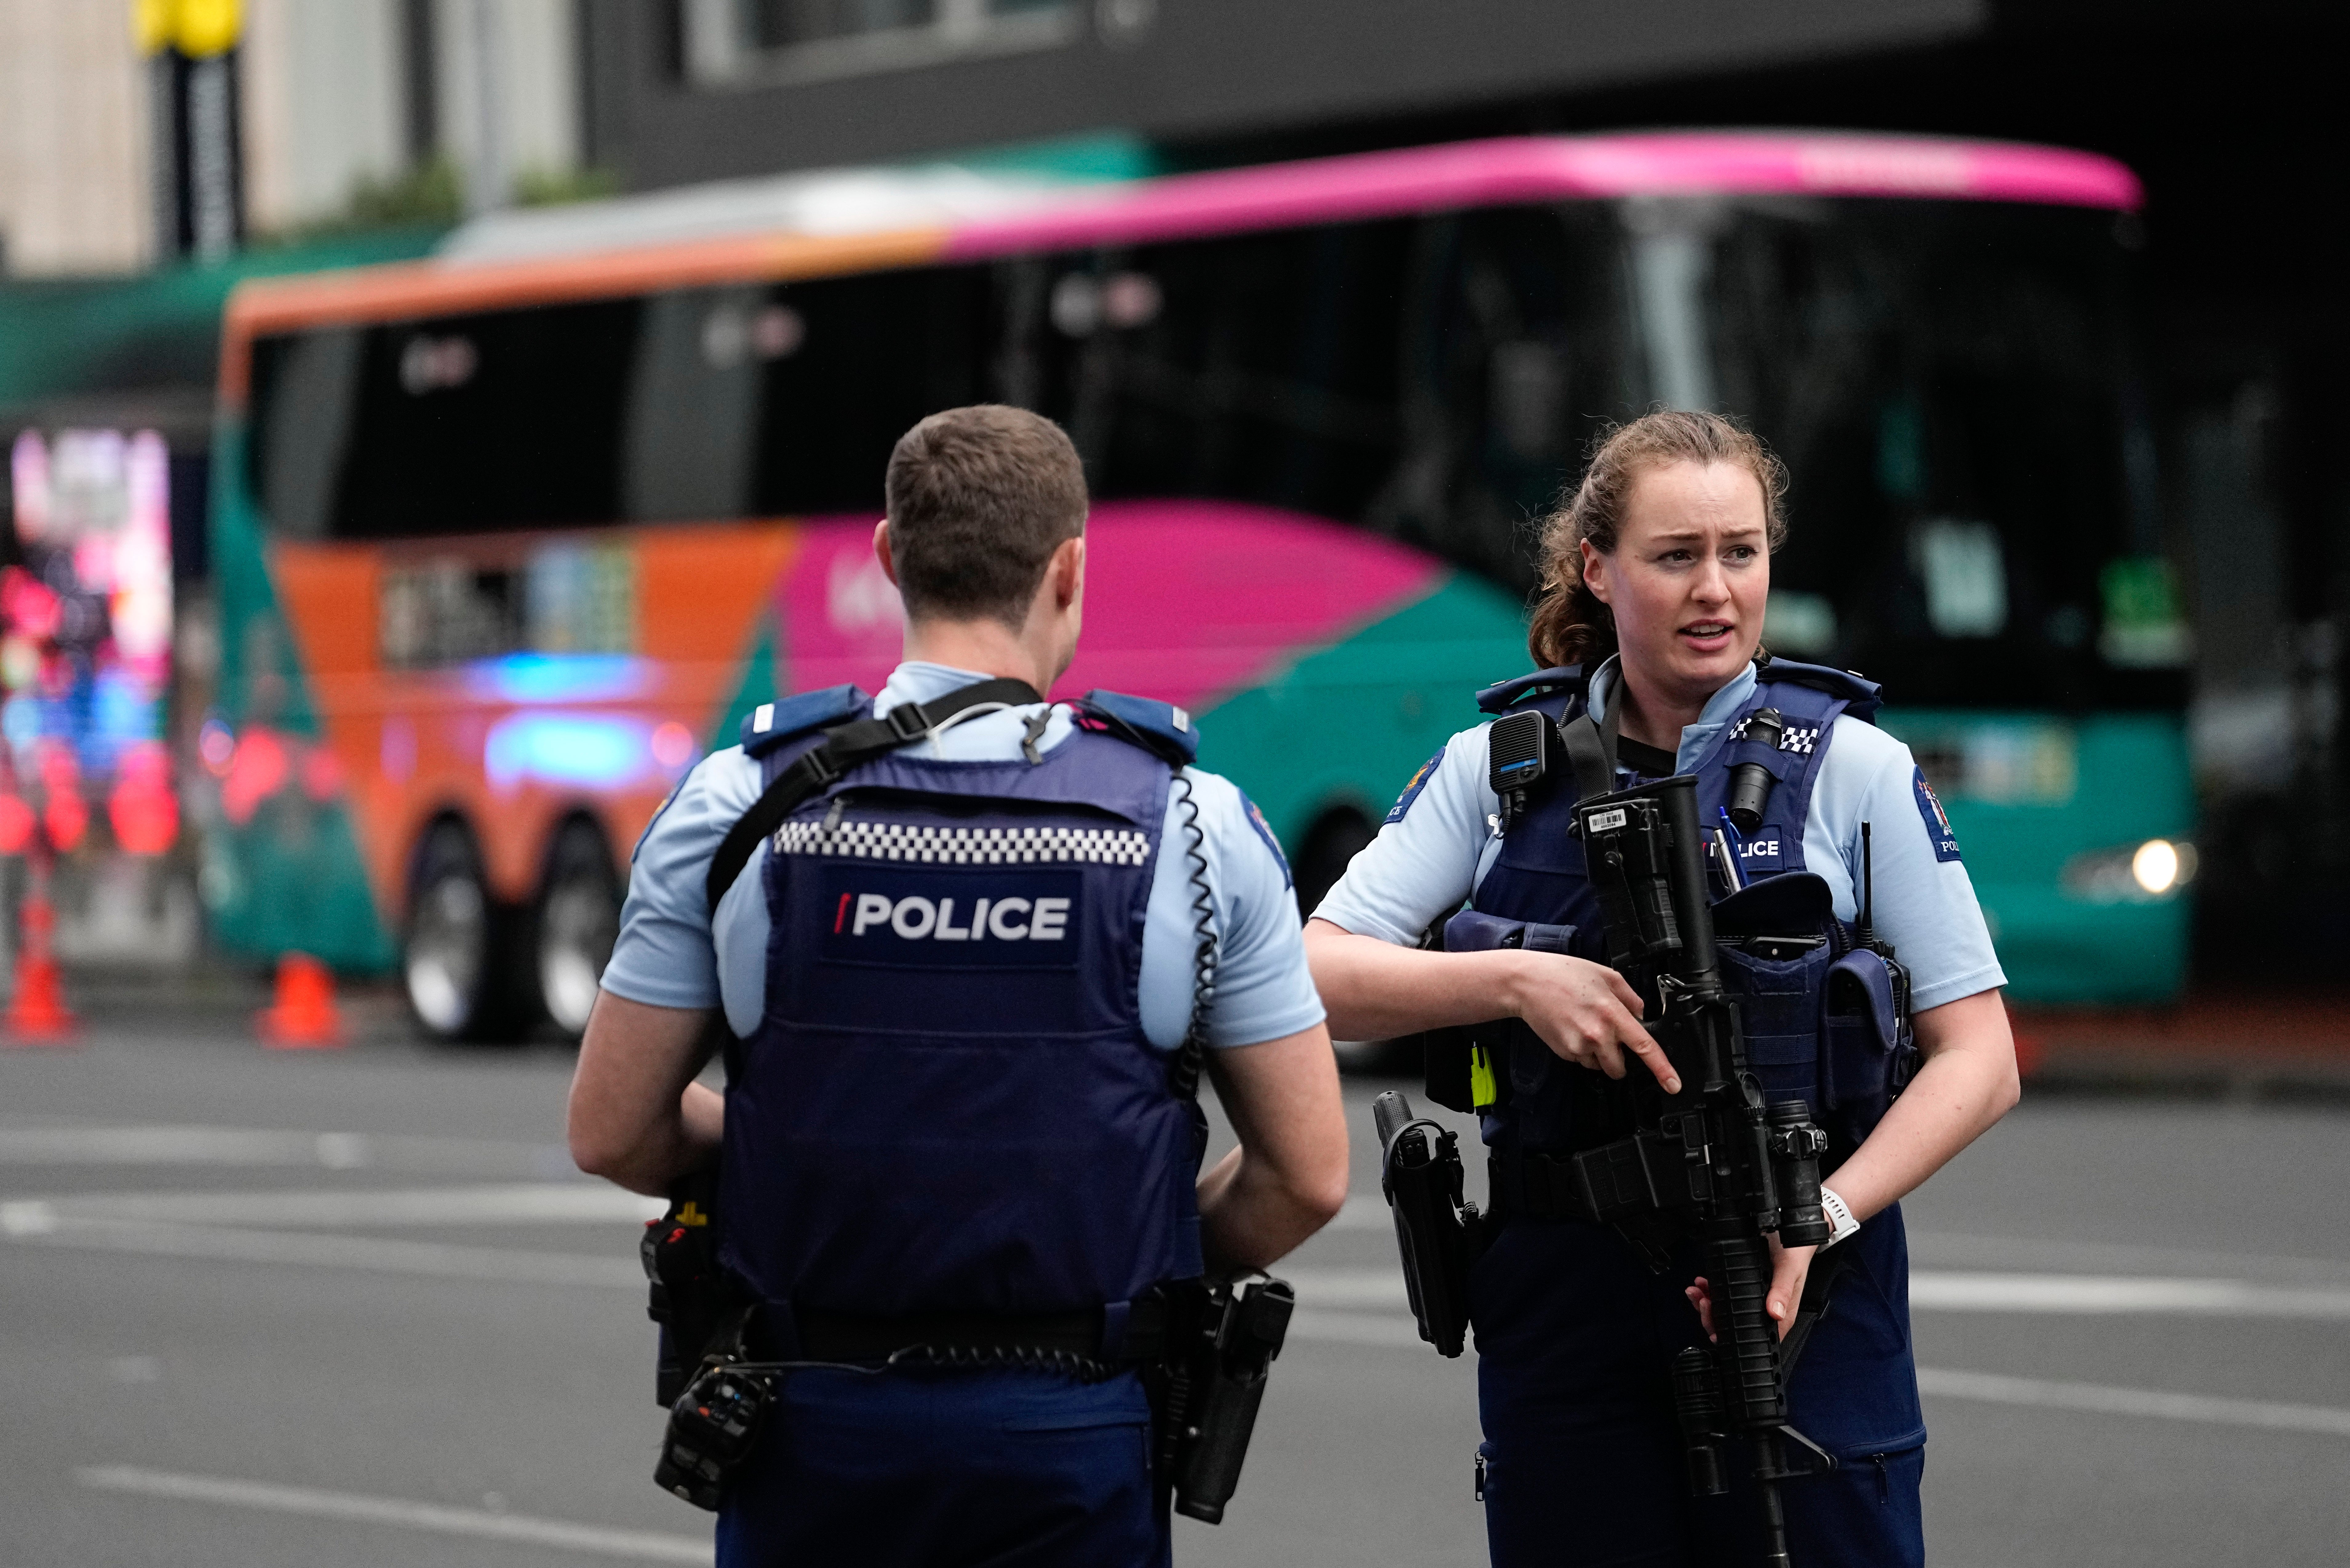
x: 1591, y: 749
x: 846, y: 746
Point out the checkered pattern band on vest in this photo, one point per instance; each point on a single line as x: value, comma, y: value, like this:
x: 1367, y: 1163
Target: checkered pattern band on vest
x: 1800, y: 739
x: 965, y: 846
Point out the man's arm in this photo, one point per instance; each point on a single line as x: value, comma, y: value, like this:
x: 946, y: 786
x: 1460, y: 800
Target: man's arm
x: 1289, y: 1174
x: 638, y: 1117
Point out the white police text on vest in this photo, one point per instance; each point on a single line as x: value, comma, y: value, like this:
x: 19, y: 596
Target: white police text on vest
x: 918, y: 919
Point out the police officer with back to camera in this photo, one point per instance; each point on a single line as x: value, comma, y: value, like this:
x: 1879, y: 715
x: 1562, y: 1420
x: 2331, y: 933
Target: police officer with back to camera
x: 970, y: 981
x: 1655, y: 575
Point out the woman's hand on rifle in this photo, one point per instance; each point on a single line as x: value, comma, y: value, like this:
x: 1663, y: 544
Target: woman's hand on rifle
x: 1789, y: 1268
x: 1586, y: 1013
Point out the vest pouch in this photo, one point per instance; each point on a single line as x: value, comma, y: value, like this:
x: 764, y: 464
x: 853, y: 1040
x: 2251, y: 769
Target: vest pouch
x: 1474, y: 931
x: 1470, y: 1067
x: 1779, y: 1000
x: 1447, y: 1065
x: 1861, y: 1068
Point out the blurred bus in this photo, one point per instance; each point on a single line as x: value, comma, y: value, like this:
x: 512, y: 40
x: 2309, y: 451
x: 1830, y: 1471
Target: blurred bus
x: 506, y: 542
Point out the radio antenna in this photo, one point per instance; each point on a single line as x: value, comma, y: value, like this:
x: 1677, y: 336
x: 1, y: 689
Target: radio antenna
x: 1867, y: 932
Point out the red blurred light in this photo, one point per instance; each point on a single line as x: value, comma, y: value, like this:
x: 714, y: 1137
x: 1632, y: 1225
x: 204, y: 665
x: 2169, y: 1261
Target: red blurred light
x: 672, y: 745
x: 322, y: 774
x: 256, y: 771
x: 146, y: 818
x: 29, y: 606
x: 15, y: 824
x: 142, y: 808
x: 67, y: 818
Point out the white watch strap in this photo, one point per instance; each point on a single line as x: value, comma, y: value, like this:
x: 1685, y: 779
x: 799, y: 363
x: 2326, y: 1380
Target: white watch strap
x: 1840, y: 1221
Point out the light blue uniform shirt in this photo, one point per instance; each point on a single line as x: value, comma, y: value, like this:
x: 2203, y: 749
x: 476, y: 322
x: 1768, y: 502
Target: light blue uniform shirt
x: 668, y: 955
x: 1424, y: 863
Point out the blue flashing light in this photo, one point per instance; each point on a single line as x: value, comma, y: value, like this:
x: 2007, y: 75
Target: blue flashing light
x: 558, y: 678
x: 585, y: 750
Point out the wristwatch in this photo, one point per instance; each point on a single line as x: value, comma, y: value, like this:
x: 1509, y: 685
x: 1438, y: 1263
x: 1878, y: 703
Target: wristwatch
x: 1840, y: 1221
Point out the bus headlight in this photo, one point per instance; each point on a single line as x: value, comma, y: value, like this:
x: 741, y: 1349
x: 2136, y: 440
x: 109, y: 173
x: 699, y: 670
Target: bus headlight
x: 2131, y: 874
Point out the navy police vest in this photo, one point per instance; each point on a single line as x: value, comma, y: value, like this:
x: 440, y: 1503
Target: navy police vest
x: 950, y: 1105
x: 1821, y: 1025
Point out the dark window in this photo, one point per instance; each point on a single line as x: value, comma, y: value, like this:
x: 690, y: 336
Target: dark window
x: 878, y: 353
x: 1260, y: 368
x: 1433, y: 379
x: 779, y: 23
x: 1950, y: 386
x: 461, y: 424
x: 694, y: 405
x: 1516, y: 355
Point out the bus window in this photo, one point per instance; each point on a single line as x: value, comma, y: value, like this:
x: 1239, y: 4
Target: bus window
x: 305, y: 388
x: 493, y: 421
x: 1258, y: 368
x: 1516, y: 357
x: 870, y: 356
x: 464, y: 424
x: 1948, y: 385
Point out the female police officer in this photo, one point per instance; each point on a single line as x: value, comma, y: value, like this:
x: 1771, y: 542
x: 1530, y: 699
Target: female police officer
x: 1662, y: 558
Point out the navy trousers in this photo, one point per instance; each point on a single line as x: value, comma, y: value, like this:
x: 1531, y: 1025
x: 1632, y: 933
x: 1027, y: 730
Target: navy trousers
x: 1583, y: 1462
x: 931, y: 1468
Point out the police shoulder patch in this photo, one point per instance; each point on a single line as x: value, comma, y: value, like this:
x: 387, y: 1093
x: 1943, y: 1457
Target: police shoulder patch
x: 770, y: 725
x: 1937, y: 821
x: 1418, y: 783
x: 1264, y: 831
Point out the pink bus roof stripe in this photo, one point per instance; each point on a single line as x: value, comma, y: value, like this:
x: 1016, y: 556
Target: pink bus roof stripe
x: 1536, y: 169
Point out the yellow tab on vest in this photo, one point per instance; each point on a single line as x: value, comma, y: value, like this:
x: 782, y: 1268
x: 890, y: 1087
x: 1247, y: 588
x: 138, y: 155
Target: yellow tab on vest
x: 1482, y: 1092
x: 690, y: 1215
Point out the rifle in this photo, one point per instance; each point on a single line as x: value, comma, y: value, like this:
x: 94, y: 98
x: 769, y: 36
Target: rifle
x: 1751, y: 1169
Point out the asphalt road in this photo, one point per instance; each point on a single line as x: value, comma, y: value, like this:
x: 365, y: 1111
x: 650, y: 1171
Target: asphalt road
x: 354, y: 1307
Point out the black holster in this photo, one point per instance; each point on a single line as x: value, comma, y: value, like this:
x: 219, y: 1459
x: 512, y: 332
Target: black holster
x: 1206, y: 1393
x: 688, y: 1296
x: 1438, y: 1231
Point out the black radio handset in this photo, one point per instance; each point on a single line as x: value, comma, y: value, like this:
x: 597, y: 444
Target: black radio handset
x: 1750, y: 783
x: 1865, y: 930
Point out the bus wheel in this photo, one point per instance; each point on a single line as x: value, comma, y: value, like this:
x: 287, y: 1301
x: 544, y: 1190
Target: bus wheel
x: 578, y: 917
x: 452, y: 957
x: 1335, y: 838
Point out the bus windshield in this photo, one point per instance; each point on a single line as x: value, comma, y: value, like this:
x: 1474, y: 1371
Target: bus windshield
x: 1974, y: 518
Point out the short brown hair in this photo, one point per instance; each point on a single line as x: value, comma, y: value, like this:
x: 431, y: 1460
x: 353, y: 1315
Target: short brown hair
x: 979, y: 500
x: 1571, y: 625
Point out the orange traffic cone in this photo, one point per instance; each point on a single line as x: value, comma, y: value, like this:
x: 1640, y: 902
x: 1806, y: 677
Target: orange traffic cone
x: 303, y: 1017
x: 37, y: 1014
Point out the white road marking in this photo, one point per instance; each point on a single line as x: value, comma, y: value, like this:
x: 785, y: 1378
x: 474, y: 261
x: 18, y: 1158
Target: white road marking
x: 520, y: 1202
x: 638, y: 1545
x: 175, y: 1145
x: 2097, y: 1399
x: 2118, y: 1295
x: 1379, y: 1329
x: 238, y: 1226
x: 1347, y: 1288
x: 1936, y: 1290
x: 374, y: 1253
x: 68, y: 1144
x: 1960, y: 1249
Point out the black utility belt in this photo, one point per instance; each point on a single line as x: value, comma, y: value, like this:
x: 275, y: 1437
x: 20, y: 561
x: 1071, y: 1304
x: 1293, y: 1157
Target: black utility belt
x: 1643, y: 1174
x: 1086, y: 1335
